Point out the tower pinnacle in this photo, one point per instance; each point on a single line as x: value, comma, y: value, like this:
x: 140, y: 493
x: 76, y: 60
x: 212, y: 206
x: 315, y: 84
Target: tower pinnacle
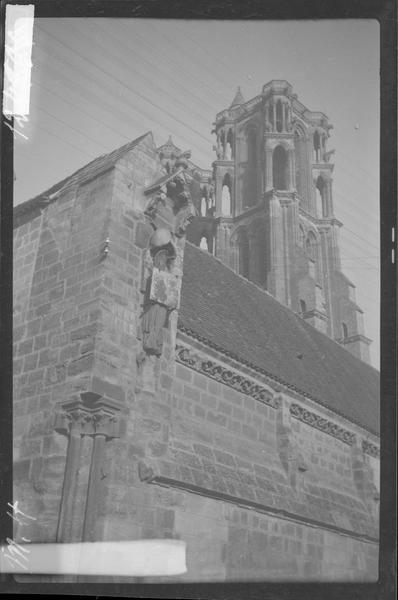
x: 239, y: 99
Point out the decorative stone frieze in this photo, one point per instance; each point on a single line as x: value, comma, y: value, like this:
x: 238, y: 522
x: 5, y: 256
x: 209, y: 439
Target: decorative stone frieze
x: 310, y: 418
x: 371, y: 449
x: 220, y: 373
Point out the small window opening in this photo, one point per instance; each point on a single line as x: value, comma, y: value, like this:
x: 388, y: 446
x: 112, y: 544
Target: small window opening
x: 280, y: 169
x: 203, y: 207
x: 279, y: 116
x: 226, y: 195
x: 311, y: 246
x: 303, y: 306
x: 229, y: 150
x: 204, y: 244
x: 345, y: 330
x: 317, y: 146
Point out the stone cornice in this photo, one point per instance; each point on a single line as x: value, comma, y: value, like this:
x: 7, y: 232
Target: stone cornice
x: 223, y: 162
x: 322, y: 166
x: 355, y: 338
x: 326, y: 223
x: 315, y: 313
x: 149, y: 474
x: 236, y: 362
x: 328, y: 427
x: 278, y: 135
x: 91, y: 414
x: 244, y: 385
x: 223, y: 375
x: 259, y: 207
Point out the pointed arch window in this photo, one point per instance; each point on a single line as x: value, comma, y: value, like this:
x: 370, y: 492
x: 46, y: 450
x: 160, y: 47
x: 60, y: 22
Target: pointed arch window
x: 311, y: 246
x: 279, y: 116
x: 301, y: 236
x: 229, y: 149
x: 252, y: 147
x: 317, y: 147
x: 303, y: 306
x: 203, y: 207
x: 301, y: 162
x: 321, y: 197
x: 249, y: 191
x: 226, y: 195
x: 280, y: 168
x: 204, y: 244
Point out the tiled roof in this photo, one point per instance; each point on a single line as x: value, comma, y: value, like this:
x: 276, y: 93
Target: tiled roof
x: 89, y: 171
x: 237, y: 317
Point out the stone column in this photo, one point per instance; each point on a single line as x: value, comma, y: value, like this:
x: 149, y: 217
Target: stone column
x: 277, y: 270
x: 329, y: 201
x: 292, y: 174
x: 268, y: 169
x: 326, y: 277
x: 90, y: 415
x: 69, y: 422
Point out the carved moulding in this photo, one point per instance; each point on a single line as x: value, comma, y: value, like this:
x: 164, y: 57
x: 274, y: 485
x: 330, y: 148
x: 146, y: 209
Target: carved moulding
x: 310, y: 418
x: 186, y: 357
x: 89, y: 415
x: 371, y: 449
x: 149, y: 474
x: 224, y: 375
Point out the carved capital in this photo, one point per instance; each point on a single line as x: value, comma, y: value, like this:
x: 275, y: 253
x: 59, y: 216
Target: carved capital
x: 91, y: 414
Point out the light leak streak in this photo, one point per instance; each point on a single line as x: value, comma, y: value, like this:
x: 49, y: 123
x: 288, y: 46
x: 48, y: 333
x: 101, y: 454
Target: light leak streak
x: 17, y: 61
x: 141, y: 558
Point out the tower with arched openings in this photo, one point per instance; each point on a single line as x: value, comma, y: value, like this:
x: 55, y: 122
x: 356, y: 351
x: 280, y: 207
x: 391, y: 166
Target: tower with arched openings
x: 273, y: 217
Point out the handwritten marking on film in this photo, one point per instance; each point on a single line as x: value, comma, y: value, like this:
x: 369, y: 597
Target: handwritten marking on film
x: 16, y: 555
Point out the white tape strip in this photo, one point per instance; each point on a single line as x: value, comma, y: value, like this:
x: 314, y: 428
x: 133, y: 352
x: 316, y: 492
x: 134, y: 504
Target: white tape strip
x: 134, y: 558
x: 17, y: 59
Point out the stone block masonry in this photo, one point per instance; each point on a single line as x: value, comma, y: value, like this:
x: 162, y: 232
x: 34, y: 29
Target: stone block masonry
x: 213, y: 458
x: 75, y: 314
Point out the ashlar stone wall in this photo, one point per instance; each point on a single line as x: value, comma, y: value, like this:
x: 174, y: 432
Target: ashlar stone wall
x: 188, y: 445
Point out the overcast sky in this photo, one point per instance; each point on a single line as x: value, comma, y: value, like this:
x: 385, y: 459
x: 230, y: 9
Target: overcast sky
x: 99, y: 83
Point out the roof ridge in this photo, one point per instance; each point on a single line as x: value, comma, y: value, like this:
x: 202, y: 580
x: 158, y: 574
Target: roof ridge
x: 62, y: 184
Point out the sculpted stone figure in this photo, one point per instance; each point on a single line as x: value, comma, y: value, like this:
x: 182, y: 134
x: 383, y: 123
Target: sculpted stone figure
x: 160, y: 293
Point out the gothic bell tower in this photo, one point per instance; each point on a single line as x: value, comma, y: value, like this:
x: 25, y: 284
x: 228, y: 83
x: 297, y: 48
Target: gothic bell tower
x: 273, y: 217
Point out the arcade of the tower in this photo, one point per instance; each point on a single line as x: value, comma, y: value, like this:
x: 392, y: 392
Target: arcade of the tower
x: 271, y: 215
